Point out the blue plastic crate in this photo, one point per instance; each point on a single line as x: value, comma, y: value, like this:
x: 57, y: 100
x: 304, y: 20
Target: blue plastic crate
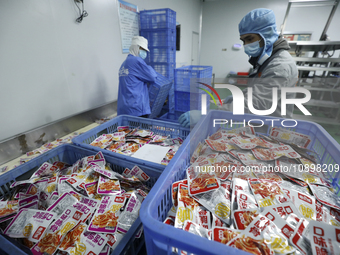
x: 158, y: 92
x: 157, y: 126
x: 165, y: 69
x: 187, y: 101
x: 161, y: 55
x: 161, y: 238
x: 165, y: 110
x: 170, y: 105
x: 158, y: 18
x: 171, y: 100
x: 187, y: 78
x: 70, y: 154
x: 171, y: 117
x: 160, y: 37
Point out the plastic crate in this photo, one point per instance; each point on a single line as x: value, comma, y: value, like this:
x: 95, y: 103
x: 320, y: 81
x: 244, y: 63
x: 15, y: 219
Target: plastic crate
x: 171, y: 117
x: 161, y: 238
x: 165, y: 69
x: 187, y: 101
x: 161, y: 54
x: 171, y: 100
x: 170, y: 105
x: 160, y: 37
x: 187, y: 77
x: 158, y: 92
x: 70, y: 154
x: 165, y: 110
x: 159, y: 18
x: 157, y: 126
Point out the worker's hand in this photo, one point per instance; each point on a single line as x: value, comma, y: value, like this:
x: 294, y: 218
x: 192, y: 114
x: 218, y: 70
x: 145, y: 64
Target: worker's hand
x: 184, y: 119
x: 189, y: 118
x: 228, y: 99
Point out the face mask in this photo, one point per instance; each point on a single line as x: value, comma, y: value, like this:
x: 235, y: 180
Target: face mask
x: 142, y: 54
x: 253, y: 49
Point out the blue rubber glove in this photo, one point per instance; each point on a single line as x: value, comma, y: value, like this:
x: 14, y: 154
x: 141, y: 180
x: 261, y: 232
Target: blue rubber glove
x: 184, y: 119
x: 189, y: 118
x: 228, y: 99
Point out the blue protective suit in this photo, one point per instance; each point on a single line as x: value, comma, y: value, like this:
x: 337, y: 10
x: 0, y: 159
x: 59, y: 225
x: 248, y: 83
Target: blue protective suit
x: 133, y: 94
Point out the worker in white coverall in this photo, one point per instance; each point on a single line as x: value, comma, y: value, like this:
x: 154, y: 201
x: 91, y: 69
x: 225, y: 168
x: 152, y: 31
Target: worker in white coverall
x: 273, y: 66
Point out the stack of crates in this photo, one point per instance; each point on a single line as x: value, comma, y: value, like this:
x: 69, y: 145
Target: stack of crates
x: 159, y: 28
x: 189, y: 88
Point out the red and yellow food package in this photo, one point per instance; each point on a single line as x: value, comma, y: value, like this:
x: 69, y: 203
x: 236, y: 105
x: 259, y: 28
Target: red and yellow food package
x: 108, y: 187
x: 102, y: 141
x: 105, y: 219
x: 275, y: 153
x: 243, y: 218
x: 91, y: 243
x: 72, y: 238
x: 196, y: 229
x: 217, y: 202
x: 201, y: 181
x: 187, y: 208
x: 261, y: 228
x: 250, y: 143
x: 57, y: 231
x: 325, y: 239
x: 267, y: 192
x: 224, y: 235
x: 175, y: 191
x: 251, y: 245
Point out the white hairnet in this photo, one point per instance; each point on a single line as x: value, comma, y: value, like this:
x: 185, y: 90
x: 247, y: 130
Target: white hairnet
x: 134, y: 50
x: 141, y: 41
x: 261, y: 21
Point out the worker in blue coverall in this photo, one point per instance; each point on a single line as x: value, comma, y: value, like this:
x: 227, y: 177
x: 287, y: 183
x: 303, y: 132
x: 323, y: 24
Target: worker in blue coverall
x: 134, y: 76
x: 273, y: 66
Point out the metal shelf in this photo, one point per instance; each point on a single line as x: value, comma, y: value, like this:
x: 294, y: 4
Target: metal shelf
x: 316, y: 60
x: 321, y: 89
x: 307, y: 66
x: 299, y: 46
x: 322, y: 103
x: 318, y: 68
x: 309, y: 3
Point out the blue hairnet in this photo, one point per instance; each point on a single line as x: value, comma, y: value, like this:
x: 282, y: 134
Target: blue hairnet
x: 261, y: 21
